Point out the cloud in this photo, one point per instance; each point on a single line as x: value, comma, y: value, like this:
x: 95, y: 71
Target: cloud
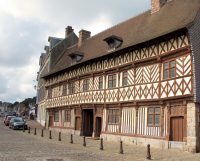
x: 26, y: 25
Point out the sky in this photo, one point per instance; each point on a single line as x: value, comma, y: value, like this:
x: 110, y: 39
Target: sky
x: 25, y: 26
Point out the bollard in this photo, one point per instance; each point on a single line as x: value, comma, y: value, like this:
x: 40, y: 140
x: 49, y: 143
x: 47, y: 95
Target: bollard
x: 59, y: 136
x: 50, y: 137
x: 84, y: 142
x: 121, y: 151
x: 42, y: 134
x: 23, y: 128
x: 101, y: 144
x: 29, y: 130
x: 35, y: 132
x: 71, y: 139
x: 148, y: 152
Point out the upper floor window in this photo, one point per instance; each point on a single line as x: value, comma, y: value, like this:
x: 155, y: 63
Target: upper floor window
x: 68, y: 115
x: 125, y: 78
x: 64, y: 92
x: 86, y: 85
x: 112, y: 81
x: 169, y: 69
x: 113, y: 42
x: 113, y: 116
x: 56, y: 116
x: 76, y: 57
x: 153, y: 116
x: 71, y: 87
x: 101, y: 82
x: 49, y: 93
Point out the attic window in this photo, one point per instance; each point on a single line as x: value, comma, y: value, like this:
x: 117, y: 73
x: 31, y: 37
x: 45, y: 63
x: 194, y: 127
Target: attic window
x: 113, y: 42
x: 76, y: 57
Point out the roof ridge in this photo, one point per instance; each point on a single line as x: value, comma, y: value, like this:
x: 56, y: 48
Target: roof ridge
x: 118, y: 24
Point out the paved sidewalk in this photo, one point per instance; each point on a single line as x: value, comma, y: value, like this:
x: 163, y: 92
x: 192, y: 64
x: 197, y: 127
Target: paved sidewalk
x: 34, y: 124
x: 111, y: 149
x: 16, y: 145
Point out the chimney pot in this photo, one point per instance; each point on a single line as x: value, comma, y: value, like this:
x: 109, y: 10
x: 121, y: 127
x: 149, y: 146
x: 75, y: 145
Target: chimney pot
x: 83, y: 35
x: 156, y: 5
x: 68, y: 31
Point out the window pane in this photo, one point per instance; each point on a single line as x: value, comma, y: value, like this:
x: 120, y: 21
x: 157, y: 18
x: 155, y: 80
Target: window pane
x: 150, y: 119
x: 117, y: 119
x: 101, y: 82
x: 166, y: 74
x: 113, y: 116
x: 157, y: 110
x: 172, y: 64
x: 172, y: 73
x: 125, y: 78
x: 151, y: 110
x: 166, y: 65
x: 157, y: 119
x: 56, y: 116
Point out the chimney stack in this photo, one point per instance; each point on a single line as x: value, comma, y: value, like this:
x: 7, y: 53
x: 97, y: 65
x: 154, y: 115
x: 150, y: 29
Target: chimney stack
x: 83, y: 35
x: 156, y: 5
x: 68, y: 31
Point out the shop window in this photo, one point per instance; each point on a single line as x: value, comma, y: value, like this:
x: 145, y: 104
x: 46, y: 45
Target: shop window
x: 153, y: 116
x: 113, y: 116
x: 56, y: 116
x: 68, y: 115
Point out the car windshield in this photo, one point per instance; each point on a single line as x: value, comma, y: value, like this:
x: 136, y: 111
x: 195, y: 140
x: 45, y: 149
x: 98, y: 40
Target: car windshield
x: 18, y: 120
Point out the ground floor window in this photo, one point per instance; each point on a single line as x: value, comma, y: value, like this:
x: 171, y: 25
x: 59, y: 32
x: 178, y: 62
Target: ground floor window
x: 153, y: 116
x: 113, y: 116
x: 68, y: 115
x: 56, y: 116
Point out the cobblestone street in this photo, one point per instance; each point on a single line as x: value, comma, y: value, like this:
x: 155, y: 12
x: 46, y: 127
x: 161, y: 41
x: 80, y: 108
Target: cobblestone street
x: 16, y: 145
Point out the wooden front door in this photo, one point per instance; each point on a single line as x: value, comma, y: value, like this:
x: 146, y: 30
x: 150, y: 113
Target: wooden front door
x: 177, y: 128
x: 87, y: 122
x: 98, y: 126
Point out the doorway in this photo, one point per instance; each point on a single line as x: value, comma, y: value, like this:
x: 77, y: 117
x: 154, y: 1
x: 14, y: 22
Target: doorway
x: 177, y: 128
x: 98, y: 126
x: 50, y: 121
x: 87, y: 122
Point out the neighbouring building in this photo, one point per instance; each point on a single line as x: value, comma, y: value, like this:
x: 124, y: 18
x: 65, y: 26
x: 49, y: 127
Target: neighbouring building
x: 138, y: 81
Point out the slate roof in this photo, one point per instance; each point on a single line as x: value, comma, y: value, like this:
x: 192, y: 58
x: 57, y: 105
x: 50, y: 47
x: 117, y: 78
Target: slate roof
x: 174, y: 15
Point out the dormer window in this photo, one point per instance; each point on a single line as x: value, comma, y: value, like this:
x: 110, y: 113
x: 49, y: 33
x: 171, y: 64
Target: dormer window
x: 113, y: 42
x: 76, y: 57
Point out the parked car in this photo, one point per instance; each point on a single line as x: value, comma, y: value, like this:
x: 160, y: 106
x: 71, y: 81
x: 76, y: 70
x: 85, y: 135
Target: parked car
x: 18, y: 123
x: 7, y: 120
x: 1, y: 114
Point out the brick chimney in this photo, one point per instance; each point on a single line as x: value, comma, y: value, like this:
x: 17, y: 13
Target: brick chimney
x: 83, y: 35
x: 156, y: 5
x: 68, y: 31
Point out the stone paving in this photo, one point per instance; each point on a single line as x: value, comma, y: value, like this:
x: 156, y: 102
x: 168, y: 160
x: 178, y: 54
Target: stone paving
x: 16, y: 145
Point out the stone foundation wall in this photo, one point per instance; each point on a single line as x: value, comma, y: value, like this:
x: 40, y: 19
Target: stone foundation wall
x: 191, y: 127
x: 156, y: 143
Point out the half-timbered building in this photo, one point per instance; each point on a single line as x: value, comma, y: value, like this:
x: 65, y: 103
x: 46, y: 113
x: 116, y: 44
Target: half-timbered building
x: 138, y: 81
